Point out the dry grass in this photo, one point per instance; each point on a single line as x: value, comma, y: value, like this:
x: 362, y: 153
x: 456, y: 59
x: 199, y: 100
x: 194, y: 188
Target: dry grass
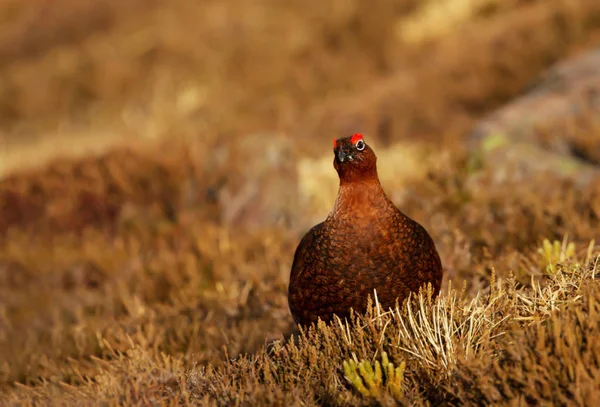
x: 444, y: 345
x: 150, y: 265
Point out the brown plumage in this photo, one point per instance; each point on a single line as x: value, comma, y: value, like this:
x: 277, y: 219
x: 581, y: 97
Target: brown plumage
x: 365, y: 243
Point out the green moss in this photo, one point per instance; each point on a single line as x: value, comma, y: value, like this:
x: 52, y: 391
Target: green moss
x: 494, y: 141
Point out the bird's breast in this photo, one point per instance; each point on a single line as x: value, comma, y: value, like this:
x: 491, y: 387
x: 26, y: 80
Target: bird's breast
x: 362, y: 237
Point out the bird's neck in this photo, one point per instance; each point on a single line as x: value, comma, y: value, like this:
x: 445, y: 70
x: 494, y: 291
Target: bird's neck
x: 361, y: 198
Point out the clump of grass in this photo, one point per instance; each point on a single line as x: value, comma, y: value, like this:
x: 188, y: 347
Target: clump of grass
x: 552, y: 361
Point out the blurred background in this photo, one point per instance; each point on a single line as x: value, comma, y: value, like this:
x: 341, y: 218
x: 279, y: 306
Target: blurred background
x: 160, y: 160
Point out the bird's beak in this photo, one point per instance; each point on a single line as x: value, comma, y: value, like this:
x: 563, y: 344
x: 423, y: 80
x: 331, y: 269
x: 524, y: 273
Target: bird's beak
x: 343, y: 156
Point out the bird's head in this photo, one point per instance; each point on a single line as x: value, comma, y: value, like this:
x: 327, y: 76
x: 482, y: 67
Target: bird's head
x: 354, y: 160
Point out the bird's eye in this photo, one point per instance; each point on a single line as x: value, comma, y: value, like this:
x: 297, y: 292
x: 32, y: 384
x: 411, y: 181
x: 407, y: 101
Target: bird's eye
x: 360, y: 145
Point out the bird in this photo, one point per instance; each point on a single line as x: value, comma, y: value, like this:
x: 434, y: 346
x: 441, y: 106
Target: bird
x: 366, y: 246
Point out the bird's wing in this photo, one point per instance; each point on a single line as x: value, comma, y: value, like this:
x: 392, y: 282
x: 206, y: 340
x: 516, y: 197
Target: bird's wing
x: 303, y: 250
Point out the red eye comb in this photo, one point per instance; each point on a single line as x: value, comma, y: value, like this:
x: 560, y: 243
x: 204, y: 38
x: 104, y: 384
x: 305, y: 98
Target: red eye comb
x: 334, y: 144
x: 356, y: 137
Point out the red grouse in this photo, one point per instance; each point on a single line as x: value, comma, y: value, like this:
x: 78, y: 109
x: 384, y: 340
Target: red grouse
x: 365, y: 244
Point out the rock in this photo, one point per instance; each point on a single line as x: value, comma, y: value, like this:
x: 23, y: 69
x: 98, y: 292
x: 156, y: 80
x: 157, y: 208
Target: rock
x: 260, y: 189
x: 569, y: 89
x: 545, y: 128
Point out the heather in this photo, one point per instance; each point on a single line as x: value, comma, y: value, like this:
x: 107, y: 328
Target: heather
x: 161, y: 160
